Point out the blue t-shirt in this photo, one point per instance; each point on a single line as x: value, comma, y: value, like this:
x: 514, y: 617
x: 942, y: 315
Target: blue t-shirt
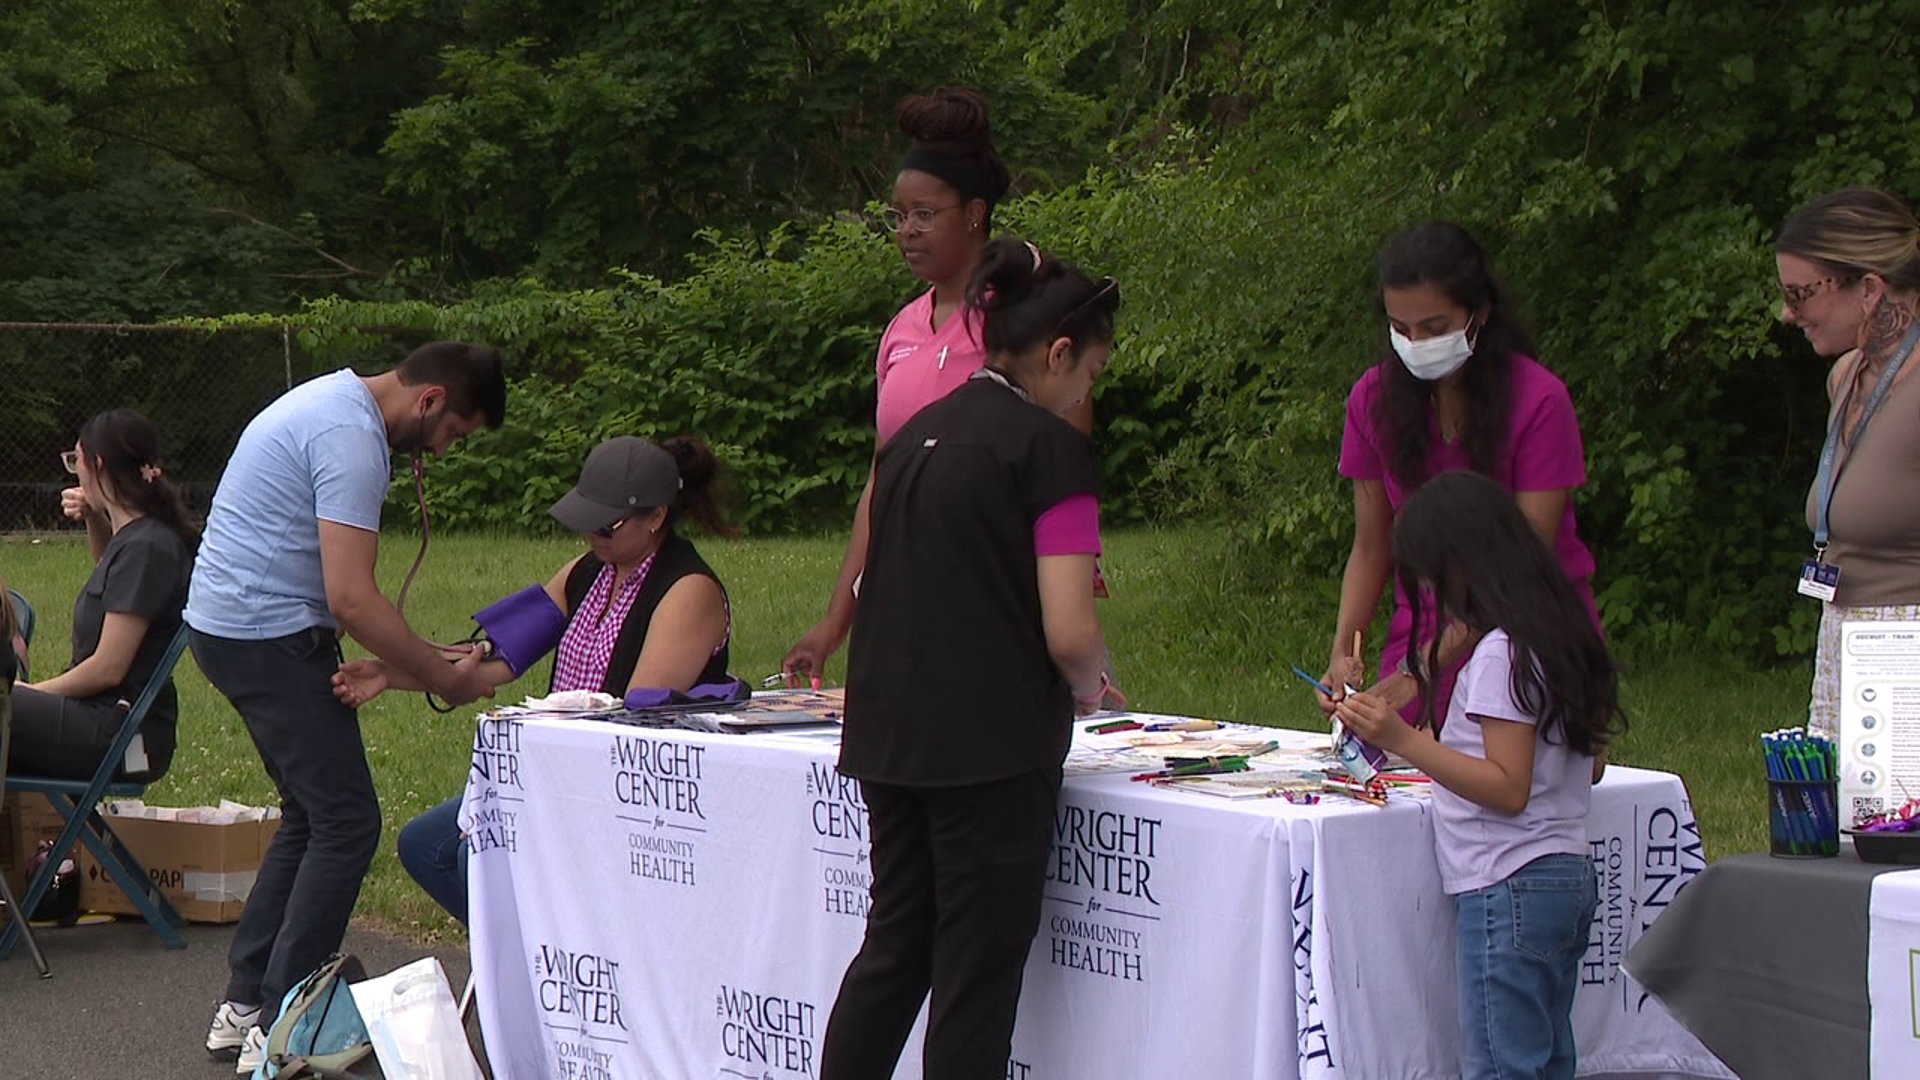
x: 318, y: 453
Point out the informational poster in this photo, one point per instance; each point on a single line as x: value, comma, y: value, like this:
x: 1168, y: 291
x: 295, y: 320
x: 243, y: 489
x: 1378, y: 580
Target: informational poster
x: 1879, y: 716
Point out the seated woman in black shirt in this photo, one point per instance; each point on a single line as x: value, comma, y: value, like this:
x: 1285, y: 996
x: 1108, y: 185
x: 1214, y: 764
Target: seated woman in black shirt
x: 640, y: 608
x: 129, y: 609
x: 984, y: 529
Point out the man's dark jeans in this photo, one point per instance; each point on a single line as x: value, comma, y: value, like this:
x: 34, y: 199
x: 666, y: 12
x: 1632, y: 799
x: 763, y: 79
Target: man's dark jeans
x: 310, y: 743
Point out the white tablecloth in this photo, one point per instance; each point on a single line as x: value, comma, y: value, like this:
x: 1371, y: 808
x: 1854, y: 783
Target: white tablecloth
x: 1893, y: 975
x: 675, y: 904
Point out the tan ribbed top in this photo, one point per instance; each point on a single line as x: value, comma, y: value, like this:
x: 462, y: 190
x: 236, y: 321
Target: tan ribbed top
x: 1875, y: 521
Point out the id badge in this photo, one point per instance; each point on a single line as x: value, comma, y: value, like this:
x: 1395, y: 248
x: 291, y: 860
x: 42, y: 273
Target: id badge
x: 1819, y: 580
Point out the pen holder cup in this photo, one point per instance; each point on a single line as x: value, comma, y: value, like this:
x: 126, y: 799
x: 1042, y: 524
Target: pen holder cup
x: 1805, y: 818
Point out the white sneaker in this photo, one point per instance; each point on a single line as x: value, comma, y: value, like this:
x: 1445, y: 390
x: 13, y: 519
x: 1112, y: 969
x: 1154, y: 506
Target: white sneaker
x: 229, y: 1031
x: 252, y: 1052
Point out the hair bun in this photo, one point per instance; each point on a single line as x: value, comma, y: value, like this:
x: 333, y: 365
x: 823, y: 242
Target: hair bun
x: 695, y: 459
x: 952, y: 118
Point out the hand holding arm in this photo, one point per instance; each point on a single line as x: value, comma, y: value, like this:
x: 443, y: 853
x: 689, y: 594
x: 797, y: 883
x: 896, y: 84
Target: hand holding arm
x: 347, y: 557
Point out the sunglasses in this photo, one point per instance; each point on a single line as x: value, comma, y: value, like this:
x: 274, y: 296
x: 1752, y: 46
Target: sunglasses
x: 1107, y: 285
x: 1797, y: 295
x: 605, y: 532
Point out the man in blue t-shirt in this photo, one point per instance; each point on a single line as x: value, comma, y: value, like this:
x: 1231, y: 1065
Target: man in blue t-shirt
x: 286, y: 566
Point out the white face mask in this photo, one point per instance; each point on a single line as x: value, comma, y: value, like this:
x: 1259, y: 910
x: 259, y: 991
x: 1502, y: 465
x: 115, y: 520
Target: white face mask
x: 1434, y: 358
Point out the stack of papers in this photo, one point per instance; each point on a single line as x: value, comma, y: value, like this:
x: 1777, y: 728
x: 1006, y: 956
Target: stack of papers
x: 227, y: 813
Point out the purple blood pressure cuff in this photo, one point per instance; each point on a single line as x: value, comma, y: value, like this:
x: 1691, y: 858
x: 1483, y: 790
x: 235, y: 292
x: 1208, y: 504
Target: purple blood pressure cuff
x: 523, y: 627
x: 732, y: 691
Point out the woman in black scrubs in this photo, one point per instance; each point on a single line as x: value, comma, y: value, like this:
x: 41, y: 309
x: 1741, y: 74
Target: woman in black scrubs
x: 974, y: 645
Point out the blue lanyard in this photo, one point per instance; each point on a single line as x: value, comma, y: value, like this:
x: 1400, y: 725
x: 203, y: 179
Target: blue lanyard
x: 1829, y: 477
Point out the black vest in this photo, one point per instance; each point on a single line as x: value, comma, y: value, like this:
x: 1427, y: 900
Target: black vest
x: 675, y: 560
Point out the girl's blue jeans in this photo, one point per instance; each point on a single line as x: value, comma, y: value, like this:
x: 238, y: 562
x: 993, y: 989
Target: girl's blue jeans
x: 1520, y: 944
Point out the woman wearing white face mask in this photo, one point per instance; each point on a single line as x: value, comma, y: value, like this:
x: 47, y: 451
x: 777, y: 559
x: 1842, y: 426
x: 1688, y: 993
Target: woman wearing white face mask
x: 1459, y: 389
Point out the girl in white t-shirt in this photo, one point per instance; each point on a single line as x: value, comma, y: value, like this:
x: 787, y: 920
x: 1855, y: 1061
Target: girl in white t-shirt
x: 1524, y: 740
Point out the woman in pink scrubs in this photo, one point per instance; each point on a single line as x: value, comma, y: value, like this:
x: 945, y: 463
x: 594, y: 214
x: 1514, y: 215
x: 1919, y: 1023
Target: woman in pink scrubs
x: 941, y: 216
x: 1459, y: 389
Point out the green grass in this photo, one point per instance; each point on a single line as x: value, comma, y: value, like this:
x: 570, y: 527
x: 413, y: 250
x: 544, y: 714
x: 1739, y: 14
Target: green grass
x: 1188, y: 634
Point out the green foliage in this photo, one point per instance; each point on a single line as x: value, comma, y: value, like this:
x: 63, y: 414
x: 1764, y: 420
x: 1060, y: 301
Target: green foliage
x: 767, y: 357
x: 1626, y: 163
x: 425, y: 168
x: 140, y: 245
x: 560, y: 145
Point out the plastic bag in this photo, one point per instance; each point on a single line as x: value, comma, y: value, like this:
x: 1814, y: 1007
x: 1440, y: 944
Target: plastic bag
x: 415, y: 1025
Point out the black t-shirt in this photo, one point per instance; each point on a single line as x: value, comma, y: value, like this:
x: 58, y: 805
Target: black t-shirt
x: 949, y: 680
x: 143, y: 571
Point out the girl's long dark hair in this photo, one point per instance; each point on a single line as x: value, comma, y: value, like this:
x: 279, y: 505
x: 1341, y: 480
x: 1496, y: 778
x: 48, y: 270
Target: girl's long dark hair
x: 1461, y: 541
x: 123, y: 449
x: 1446, y: 256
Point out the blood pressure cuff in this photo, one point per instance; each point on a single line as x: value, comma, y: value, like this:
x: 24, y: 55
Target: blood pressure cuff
x: 523, y: 627
x: 721, y: 693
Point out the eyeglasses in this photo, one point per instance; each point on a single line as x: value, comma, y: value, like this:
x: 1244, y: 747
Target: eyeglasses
x: 919, y: 219
x: 605, y: 532
x: 71, y: 460
x: 1107, y: 285
x: 1796, y: 295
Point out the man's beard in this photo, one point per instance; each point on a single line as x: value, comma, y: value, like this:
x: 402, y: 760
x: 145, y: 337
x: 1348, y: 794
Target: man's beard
x: 417, y: 441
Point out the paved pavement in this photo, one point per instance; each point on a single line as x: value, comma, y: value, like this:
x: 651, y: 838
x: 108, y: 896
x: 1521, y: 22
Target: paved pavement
x: 121, y: 1005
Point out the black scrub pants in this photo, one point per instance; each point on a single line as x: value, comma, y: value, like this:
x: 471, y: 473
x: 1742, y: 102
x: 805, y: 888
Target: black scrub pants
x: 958, y: 874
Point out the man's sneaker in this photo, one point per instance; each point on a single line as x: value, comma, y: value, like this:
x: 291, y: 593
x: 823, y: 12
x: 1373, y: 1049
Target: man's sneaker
x: 229, y: 1031
x: 252, y: 1052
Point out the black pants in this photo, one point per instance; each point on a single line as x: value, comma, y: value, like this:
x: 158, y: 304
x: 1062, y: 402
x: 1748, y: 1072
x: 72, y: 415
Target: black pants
x: 60, y: 736
x: 957, y: 880
x: 311, y: 873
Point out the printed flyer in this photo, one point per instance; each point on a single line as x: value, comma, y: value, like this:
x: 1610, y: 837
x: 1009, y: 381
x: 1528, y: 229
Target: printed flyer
x: 1879, y: 716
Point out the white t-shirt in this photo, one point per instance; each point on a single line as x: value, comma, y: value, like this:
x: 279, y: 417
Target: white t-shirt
x: 1476, y: 846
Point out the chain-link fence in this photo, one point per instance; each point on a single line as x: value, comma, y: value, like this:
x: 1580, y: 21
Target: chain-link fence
x: 200, y: 386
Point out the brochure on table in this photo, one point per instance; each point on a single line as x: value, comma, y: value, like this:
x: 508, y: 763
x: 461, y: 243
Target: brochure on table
x: 1879, y: 716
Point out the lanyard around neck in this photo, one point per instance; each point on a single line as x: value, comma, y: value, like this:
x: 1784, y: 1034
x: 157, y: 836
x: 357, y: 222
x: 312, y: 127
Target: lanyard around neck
x: 1003, y: 380
x: 1828, y: 477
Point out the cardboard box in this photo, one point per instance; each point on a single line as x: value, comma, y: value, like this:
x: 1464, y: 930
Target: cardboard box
x: 206, y: 869
x: 25, y: 820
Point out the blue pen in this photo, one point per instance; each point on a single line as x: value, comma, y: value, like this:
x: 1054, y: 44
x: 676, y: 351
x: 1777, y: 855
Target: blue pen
x: 1315, y: 683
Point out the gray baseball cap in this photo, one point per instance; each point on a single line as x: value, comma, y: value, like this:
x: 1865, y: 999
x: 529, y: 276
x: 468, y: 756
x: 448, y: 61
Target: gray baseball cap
x: 622, y: 475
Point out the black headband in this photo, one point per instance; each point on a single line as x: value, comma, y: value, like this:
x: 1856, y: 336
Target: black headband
x: 959, y: 174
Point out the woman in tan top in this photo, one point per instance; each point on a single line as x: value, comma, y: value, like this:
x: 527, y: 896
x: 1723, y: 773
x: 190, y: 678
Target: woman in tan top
x: 1849, y: 268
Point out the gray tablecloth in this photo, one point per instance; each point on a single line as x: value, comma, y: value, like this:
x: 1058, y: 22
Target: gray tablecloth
x: 1765, y: 961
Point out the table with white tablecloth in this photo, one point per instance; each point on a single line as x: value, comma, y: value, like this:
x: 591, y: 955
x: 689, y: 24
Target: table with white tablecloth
x: 670, y: 903
x: 1893, y: 974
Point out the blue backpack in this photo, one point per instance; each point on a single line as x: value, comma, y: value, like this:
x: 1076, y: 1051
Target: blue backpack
x: 319, y: 1032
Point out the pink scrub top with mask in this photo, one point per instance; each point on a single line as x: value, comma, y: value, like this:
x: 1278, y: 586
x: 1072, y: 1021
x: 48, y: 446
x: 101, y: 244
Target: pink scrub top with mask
x: 1543, y: 453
